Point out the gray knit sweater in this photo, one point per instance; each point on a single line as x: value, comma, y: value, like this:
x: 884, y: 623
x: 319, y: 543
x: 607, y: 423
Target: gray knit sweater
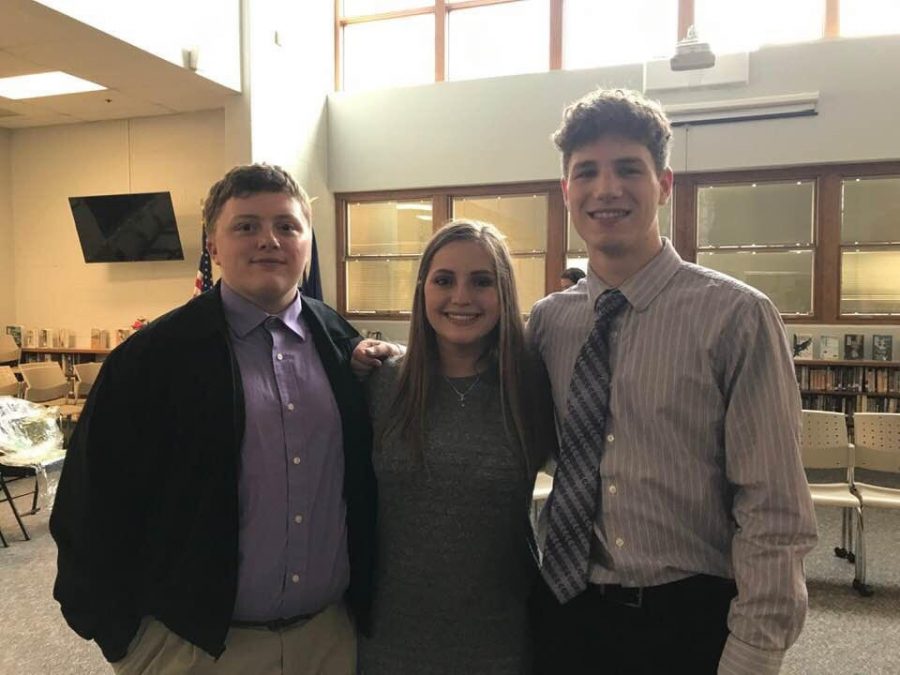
x: 454, y: 567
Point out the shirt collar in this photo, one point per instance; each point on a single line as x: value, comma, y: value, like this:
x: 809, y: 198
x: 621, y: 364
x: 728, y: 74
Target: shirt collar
x: 642, y: 287
x: 243, y: 316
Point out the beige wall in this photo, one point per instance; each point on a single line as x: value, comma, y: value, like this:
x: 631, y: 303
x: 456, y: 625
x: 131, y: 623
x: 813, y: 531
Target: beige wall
x: 497, y: 130
x: 7, y: 261
x: 54, y: 287
x: 289, y: 81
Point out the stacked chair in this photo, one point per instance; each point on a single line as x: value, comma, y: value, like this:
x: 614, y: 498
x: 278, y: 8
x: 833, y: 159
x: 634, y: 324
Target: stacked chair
x: 824, y: 445
x: 877, y: 448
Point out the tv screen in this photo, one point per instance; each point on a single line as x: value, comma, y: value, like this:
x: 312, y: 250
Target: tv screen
x: 123, y: 228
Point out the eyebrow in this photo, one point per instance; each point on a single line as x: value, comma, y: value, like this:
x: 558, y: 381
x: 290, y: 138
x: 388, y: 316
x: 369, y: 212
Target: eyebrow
x: 256, y: 216
x: 446, y: 271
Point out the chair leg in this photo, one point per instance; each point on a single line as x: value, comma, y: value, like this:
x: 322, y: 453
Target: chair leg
x: 859, y: 582
x: 34, y: 501
x: 3, y: 540
x: 845, y: 550
x: 13, y: 506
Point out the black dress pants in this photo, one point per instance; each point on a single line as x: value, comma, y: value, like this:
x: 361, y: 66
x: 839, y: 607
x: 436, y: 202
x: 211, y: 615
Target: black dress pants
x: 679, y: 627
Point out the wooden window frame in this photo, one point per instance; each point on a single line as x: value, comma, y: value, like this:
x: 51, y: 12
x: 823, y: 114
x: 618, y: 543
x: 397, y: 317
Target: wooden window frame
x: 442, y: 8
x: 826, y: 233
x: 442, y: 199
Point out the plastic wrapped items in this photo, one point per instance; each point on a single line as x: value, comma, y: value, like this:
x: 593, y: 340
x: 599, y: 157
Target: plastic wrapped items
x: 30, y: 437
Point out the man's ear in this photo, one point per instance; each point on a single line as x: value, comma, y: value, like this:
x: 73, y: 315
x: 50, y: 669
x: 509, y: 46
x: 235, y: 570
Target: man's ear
x: 563, y: 183
x: 211, y: 247
x: 666, y: 182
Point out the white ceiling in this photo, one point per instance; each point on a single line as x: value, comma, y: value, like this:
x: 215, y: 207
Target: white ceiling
x: 34, y: 38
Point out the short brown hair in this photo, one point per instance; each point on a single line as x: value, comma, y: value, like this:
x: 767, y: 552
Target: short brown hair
x: 615, y: 112
x: 249, y: 179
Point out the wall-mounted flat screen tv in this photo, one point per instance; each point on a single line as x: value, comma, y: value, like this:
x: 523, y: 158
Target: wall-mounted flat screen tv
x: 124, y: 228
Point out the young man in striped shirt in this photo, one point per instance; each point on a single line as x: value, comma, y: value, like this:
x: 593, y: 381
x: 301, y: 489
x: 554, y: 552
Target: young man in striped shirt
x: 700, y: 514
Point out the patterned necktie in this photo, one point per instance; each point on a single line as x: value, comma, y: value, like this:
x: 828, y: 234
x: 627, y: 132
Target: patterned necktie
x: 574, y: 500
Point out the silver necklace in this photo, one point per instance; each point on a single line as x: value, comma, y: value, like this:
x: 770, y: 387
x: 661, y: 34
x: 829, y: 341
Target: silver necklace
x: 461, y: 395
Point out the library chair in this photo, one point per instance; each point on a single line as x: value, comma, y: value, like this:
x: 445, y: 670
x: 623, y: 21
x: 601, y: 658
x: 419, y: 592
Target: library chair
x: 824, y: 444
x: 45, y: 383
x: 85, y: 375
x: 877, y: 448
x: 9, y: 385
x: 9, y: 350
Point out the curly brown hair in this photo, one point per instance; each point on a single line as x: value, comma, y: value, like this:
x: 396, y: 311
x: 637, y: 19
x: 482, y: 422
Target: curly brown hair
x: 616, y: 112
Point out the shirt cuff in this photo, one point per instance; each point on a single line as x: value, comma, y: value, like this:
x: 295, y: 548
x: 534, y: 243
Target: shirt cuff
x: 740, y: 658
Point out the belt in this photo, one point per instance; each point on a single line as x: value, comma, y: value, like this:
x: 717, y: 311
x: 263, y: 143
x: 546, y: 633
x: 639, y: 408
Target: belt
x: 274, y: 624
x: 622, y: 595
x: 674, y: 591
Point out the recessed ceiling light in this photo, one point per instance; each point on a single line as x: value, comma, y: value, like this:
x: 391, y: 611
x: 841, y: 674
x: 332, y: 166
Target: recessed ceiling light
x: 44, y: 84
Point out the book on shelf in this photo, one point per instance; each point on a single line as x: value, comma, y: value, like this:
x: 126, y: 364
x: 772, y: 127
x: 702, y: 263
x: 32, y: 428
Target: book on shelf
x: 803, y: 346
x: 882, y: 347
x: 16, y: 331
x: 853, y: 346
x: 829, y: 347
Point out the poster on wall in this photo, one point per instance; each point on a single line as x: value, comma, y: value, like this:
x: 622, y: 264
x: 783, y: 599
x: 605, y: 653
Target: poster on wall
x: 853, y: 346
x: 829, y: 347
x: 883, y: 347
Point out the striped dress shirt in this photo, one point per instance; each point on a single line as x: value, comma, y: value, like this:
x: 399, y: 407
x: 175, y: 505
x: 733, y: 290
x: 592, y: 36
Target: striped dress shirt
x: 701, y: 471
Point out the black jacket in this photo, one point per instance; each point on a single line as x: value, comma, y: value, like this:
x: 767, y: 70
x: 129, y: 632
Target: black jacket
x: 146, y: 515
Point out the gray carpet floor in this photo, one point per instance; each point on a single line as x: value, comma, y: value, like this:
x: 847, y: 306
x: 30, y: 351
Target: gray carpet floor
x: 844, y: 633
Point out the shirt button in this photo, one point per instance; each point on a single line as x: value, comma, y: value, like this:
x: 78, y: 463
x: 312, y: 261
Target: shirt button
x: 620, y: 542
x: 613, y: 489
x: 298, y: 519
x: 290, y: 406
x: 296, y: 460
x: 280, y: 357
x: 295, y: 578
x: 610, y: 438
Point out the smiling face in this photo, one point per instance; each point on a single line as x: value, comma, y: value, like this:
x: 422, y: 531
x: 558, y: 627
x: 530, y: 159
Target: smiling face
x: 262, y: 243
x: 462, y: 304
x: 613, y: 192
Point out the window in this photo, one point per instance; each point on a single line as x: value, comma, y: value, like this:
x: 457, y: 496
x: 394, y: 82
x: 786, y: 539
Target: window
x: 384, y: 243
x: 386, y: 53
x: 382, y: 43
x: 739, y: 25
x: 821, y: 241
x: 870, y: 246
x: 762, y: 234
x: 869, y: 17
x: 475, y: 51
x: 381, y: 237
x: 523, y: 220
x: 611, y: 32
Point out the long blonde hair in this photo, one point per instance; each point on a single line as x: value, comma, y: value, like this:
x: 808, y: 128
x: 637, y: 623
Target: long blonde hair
x: 419, y: 368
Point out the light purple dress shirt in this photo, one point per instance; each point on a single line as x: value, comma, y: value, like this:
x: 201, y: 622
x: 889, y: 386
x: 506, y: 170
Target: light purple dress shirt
x: 292, y: 533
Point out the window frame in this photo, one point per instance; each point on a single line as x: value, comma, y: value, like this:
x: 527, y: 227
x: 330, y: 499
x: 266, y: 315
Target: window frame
x: 827, y: 246
x: 442, y: 204
x: 440, y: 9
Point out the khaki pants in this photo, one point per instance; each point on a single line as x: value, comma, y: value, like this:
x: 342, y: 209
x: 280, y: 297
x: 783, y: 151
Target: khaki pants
x: 325, y: 645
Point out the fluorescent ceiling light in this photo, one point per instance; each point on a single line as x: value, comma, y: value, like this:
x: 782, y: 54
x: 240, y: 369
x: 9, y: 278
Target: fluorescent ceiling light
x: 406, y: 206
x: 44, y: 84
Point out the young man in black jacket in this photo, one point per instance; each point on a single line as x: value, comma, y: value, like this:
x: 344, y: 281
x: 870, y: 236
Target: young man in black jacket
x: 216, y: 510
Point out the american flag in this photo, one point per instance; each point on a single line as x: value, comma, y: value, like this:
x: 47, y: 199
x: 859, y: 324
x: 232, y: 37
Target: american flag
x: 204, y: 281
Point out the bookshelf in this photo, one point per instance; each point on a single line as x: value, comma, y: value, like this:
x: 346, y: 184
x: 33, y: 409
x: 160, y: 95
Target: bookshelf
x: 66, y: 357
x: 849, y: 386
